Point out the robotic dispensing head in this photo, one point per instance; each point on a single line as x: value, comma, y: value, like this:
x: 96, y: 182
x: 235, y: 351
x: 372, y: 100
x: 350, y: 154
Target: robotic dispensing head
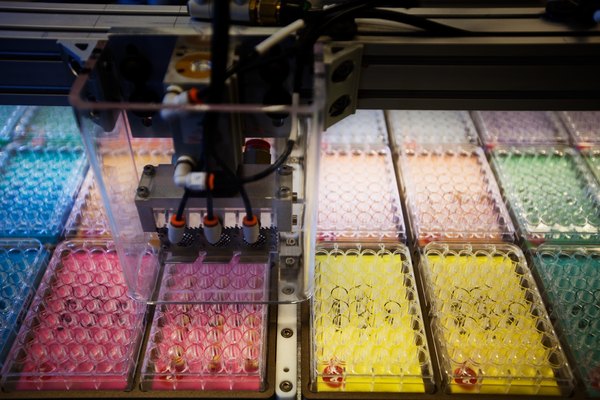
x: 242, y: 179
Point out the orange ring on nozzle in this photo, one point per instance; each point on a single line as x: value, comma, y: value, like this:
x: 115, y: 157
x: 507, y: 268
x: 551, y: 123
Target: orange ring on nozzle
x: 194, y: 96
x: 177, y: 223
x: 250, y: 222
x: 210, y: 222
x: 211, y: 181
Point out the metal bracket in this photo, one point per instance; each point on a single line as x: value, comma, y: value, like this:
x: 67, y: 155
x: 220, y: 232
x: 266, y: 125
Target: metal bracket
x: 75, y: 54
x: 286, y: 375
x: 343, y: 64
x: 286, y: 362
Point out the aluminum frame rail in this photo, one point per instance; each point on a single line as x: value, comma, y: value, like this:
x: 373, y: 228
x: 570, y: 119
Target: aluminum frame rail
x: 515, y: 59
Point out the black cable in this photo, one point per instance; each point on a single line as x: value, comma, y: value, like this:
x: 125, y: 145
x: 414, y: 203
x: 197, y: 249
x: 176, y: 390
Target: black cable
x: 316, y: 27
x: 414, y: 20
x: 273, y: 167
x: 219, y: 74
x: 246, y: 200
x: 219, y: 48
x: 317, y: 24
x: 182, y: 203
x: 319, y: 21
x: 219, y: 51
x: 210, y: 214
x: 236, y: 180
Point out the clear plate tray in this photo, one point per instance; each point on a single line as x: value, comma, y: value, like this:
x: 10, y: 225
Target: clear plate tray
x: 412, y: 128
x: 570, y: 277
x: 492, y: 332
x: 551, y: 193
x: 367, y: 331
x: 451, y: 194
x: 358, y: 196
x: 82, y: 332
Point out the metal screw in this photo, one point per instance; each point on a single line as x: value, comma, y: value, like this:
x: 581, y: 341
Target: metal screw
x: 287, y: 333
x: 284, y: 191
x: 149, y: 170
x: 147, y: 122
x: 286, y: 386
x: 285, y: 170
x: 290, y: 261
x: 142, y: 191
x: 287, y: 290
x: 290, y: 241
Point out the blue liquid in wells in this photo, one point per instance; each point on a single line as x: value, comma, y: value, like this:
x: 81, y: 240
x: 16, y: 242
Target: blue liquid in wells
x: 41, y: 125
x: 37, y: 188
x: 21, y: 264
x: 9, y: 115
x: 571, y: 280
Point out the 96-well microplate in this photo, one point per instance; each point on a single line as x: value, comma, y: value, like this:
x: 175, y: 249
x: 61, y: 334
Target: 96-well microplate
x: 571, y: 280
x: 83, y: 331
x: 9, y: 116
x: 491, y: 328
x: 37, y: 189
x: 592, y: 158
x: 551, y: 192
x: 583, y: 126
x: 198, y: 346
x: 520, y: 128
x: 21, y: 263
x: 358, y: 197
x: 411, y: 128
x: 206, y: 347
x: 451, y: 195
x: 42, y: 125
x: 367, y: 329
x: 364, y: 127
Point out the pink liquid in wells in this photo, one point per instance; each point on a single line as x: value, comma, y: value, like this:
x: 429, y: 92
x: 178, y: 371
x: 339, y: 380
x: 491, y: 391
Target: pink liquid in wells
x: 206, y: 347
x: 83, y: 331
x: 209, y: 346
x: 453, y: 196
x: 358, y: 197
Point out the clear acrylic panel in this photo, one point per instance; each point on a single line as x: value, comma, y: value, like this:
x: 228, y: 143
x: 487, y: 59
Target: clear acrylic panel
x: 88, y: 216
x: 139, y: 209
